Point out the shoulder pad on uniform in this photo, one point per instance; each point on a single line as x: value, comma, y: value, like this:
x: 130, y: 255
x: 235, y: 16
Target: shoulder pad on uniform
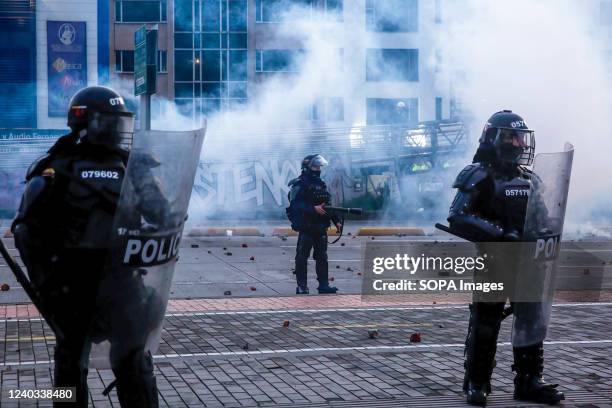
x: 293, y: 182
x: 63, y: 144
x: 470, y: 176
x: 38, y: 166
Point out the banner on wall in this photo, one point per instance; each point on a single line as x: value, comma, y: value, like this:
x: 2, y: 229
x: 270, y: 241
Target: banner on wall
x: 66, y: 63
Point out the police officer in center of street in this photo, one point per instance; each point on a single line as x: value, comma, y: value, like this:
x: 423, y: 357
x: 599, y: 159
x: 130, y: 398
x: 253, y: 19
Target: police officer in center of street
x: 483, y: 211
x: 307, y: 200
x: 62, y: 231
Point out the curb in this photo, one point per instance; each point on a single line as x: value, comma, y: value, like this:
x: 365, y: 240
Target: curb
x: 225, y: 232
x: 388, y: 231
x: 288, y: 232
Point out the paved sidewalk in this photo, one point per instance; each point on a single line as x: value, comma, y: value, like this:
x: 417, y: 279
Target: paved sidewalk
x: 243, y: 356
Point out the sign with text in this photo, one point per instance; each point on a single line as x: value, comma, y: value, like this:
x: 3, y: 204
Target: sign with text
x: 66, y: 63
x: 140, y: 61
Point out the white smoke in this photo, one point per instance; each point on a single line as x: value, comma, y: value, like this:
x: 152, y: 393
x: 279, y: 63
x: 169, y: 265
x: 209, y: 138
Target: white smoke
x: 543, y: 60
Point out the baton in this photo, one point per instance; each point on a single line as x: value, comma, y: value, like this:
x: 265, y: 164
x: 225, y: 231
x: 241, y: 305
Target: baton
x: 30, y: 291
x: 453, y: 232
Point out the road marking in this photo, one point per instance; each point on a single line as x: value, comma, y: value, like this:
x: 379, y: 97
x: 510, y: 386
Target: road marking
x: 26, y: 338
x: 309, y: 311
x: 324, y: 349
x: 363, y: 326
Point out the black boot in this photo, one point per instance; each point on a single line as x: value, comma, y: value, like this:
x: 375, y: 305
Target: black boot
x: 136, y: 385
x: 528, y: 383
x: 325, y: 288
x: 70, y: 373
x: 480, y: 348
x: 302, y: 290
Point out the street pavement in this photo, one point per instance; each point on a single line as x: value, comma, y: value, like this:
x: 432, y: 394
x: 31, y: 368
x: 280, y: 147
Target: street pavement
x: 320, y: 356
x: 263, y: 346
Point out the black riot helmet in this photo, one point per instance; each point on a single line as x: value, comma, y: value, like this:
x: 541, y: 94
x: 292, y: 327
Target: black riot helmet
x: 506, y: 139
x: 102, y: 113
x: 312, y: 164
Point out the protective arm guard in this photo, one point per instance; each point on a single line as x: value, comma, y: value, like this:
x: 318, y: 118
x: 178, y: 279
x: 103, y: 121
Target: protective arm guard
x: 461, y: 215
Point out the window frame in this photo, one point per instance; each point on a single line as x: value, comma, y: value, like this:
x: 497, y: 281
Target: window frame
x: 163, y: 5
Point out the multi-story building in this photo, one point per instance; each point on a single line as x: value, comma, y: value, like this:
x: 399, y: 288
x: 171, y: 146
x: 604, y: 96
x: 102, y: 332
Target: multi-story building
x: 213, y: 54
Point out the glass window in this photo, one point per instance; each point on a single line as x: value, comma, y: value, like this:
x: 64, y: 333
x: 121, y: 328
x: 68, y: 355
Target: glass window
x: 224, y: 16
x: 277, y: 60
x: 237, y: 15
x: 211, y: 66
x: 211, y: 89
x: 162, y: 61
x: 392, y: 64
x: 211, y: 15
x: 392, y: 15
x: 334, y: 109
x: 438, y: 108
x: 385, y: 111
x: 312, y: 112
x: 267, y: 10
x: 183, y: 40
x: 124, y: 61
x: 238, y: 41
x: 183, y: 65
x: 183, y: 90
x: 185, y: 106
x: 138, y: 11
x: 237, y: 90
x: 334, y: 8
x: 224, y: 65
x: 210, y: 41
x: 118, y: 11
x: 183, y: 15
x: 238, y: 65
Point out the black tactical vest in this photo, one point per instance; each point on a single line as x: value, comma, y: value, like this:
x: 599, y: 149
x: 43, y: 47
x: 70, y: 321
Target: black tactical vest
x: 85, y: 196
x: 508, y: 202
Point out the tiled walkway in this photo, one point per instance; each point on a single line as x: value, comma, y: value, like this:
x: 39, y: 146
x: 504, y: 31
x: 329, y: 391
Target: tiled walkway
x: 316, y: 350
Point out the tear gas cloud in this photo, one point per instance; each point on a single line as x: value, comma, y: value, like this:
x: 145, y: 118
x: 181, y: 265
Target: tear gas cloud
x: 545, y: 61
x: 540, y: 59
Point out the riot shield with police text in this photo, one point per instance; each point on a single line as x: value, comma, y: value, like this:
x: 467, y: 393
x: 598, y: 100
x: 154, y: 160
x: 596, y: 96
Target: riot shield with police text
x: 144, y: 245
x: 535, y: 280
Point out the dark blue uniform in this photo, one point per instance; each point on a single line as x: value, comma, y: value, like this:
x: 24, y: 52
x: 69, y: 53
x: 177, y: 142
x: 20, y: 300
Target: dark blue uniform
x: 62, y: 231
x: 490, y: 206
x: 307, y: 191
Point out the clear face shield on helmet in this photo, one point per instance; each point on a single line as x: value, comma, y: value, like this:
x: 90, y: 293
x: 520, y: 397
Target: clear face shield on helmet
x: 111, y: 129
x: 516, y: 146
x: 315, y: 164
x: 318, y: 161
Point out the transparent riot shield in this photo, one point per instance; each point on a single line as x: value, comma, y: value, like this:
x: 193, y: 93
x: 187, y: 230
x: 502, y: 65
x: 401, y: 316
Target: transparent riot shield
x: 535, y: 280
x: 144, y: 245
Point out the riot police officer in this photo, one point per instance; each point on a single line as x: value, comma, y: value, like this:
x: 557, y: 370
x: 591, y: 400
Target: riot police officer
x: 307, y: 199
x: 490, y: 206
x: 62, y: 230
